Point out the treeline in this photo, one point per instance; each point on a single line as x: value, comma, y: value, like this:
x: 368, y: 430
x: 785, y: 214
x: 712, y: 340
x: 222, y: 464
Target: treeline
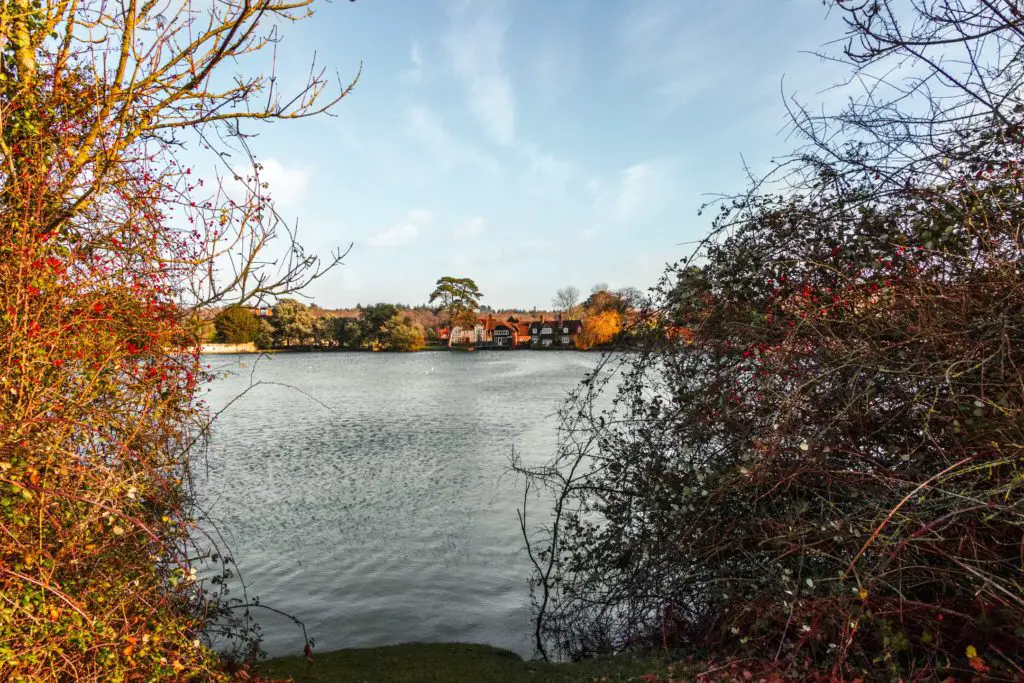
x: 608, y: 317
x: 380, y: 327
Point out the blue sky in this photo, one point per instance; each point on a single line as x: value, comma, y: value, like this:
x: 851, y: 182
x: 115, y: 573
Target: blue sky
x: 531, y: 144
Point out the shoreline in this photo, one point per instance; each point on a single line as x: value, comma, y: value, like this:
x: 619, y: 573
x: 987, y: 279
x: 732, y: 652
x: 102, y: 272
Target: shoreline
x: 210, y: 351
x: 457, y: 663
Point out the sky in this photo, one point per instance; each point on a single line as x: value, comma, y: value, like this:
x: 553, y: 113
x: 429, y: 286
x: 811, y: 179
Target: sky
x: 531, y: 144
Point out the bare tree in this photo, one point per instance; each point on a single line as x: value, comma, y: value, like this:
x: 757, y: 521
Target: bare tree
x: 565, y: 298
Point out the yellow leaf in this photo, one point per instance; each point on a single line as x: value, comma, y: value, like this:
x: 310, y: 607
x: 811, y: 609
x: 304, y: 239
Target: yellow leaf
x: 971, y: 652
x: 117, y: 530
x: 863, y: 594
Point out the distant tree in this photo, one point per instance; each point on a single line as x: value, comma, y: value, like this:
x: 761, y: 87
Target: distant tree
x: 377, y: 315
x: 566, y: 298
x: 347, y: 332
x: 323, y: 331
x: 236, y: 325
x: 459, y: 299
x: 400, y: 334
x: 292, y: 322
x: 631, y: 297
x: 371, y: 324
x: 264, y: 337
x: 600, y: 287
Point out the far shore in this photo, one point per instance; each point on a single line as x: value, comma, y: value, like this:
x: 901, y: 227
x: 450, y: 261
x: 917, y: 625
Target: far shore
x: 232, y: 349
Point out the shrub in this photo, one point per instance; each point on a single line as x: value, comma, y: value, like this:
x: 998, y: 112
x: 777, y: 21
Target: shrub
x: 100, y: 289
x: 823, y: 473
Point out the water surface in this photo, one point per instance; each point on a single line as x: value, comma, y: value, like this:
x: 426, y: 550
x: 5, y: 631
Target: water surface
x: 372, y: 499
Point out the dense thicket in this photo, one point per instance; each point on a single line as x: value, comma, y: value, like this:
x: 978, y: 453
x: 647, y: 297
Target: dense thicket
x: 824, y: 472
x: 108, y: 247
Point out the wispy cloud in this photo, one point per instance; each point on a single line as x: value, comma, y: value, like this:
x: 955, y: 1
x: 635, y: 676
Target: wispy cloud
x: 404, y: 233
x: 475, y: 44
x: 549, y: 174
x: 526, y: 248
x: 472, y: 228
x: 639, y: 192
x: 427, y: 129
x: 414, y: 74
x: 676, y: 51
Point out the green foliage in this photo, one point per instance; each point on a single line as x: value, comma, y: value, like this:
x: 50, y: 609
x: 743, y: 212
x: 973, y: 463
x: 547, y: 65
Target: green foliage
x: 236, y: 325
x: 264, y: 337
x: 378, y: 327
x: 292, y: 323
x: 399, y: 334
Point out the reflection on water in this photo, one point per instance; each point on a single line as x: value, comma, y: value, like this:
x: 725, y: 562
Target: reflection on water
x: 375, y: 508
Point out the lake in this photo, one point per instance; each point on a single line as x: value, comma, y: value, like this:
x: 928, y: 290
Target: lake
x: 371, y: 498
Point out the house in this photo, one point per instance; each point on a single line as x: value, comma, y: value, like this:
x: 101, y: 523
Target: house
x: 554, y: 333
x: 467, y: 335
x: 263, y: 312
x: 503, y: 335
x: 542, y: 334
x: 490, y: 332
x: 566, y: 332
x: 510, y: 334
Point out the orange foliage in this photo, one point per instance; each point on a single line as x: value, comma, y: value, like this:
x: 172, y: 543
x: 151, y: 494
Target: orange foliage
x: 600, y: 329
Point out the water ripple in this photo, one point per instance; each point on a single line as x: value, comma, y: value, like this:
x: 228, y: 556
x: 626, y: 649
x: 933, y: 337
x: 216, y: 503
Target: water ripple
x: 381, y: 516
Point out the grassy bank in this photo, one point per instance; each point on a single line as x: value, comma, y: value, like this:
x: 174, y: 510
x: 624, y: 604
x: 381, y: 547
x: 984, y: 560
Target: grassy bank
x: 452, y: 663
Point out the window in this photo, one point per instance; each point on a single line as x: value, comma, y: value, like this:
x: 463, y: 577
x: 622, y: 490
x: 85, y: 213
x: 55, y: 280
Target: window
x: 565, y: 340
x: 565, y: 330
x: 546, y: 330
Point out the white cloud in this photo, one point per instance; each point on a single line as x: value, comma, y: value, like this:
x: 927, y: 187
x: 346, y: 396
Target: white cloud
x: 476, y: 47
x: 469, y: 229
x: 405, y: 232
x: 285, y: 185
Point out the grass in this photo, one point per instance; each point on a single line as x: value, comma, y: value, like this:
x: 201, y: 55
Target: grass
x: 451, y: 663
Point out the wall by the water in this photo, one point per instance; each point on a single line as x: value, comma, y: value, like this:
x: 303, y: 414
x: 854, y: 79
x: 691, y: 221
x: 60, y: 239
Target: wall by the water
x: 248, y: 347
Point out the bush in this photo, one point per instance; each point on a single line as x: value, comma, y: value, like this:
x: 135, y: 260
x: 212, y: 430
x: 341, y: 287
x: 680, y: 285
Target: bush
x: 99, y: 299
x: 823, y: 472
